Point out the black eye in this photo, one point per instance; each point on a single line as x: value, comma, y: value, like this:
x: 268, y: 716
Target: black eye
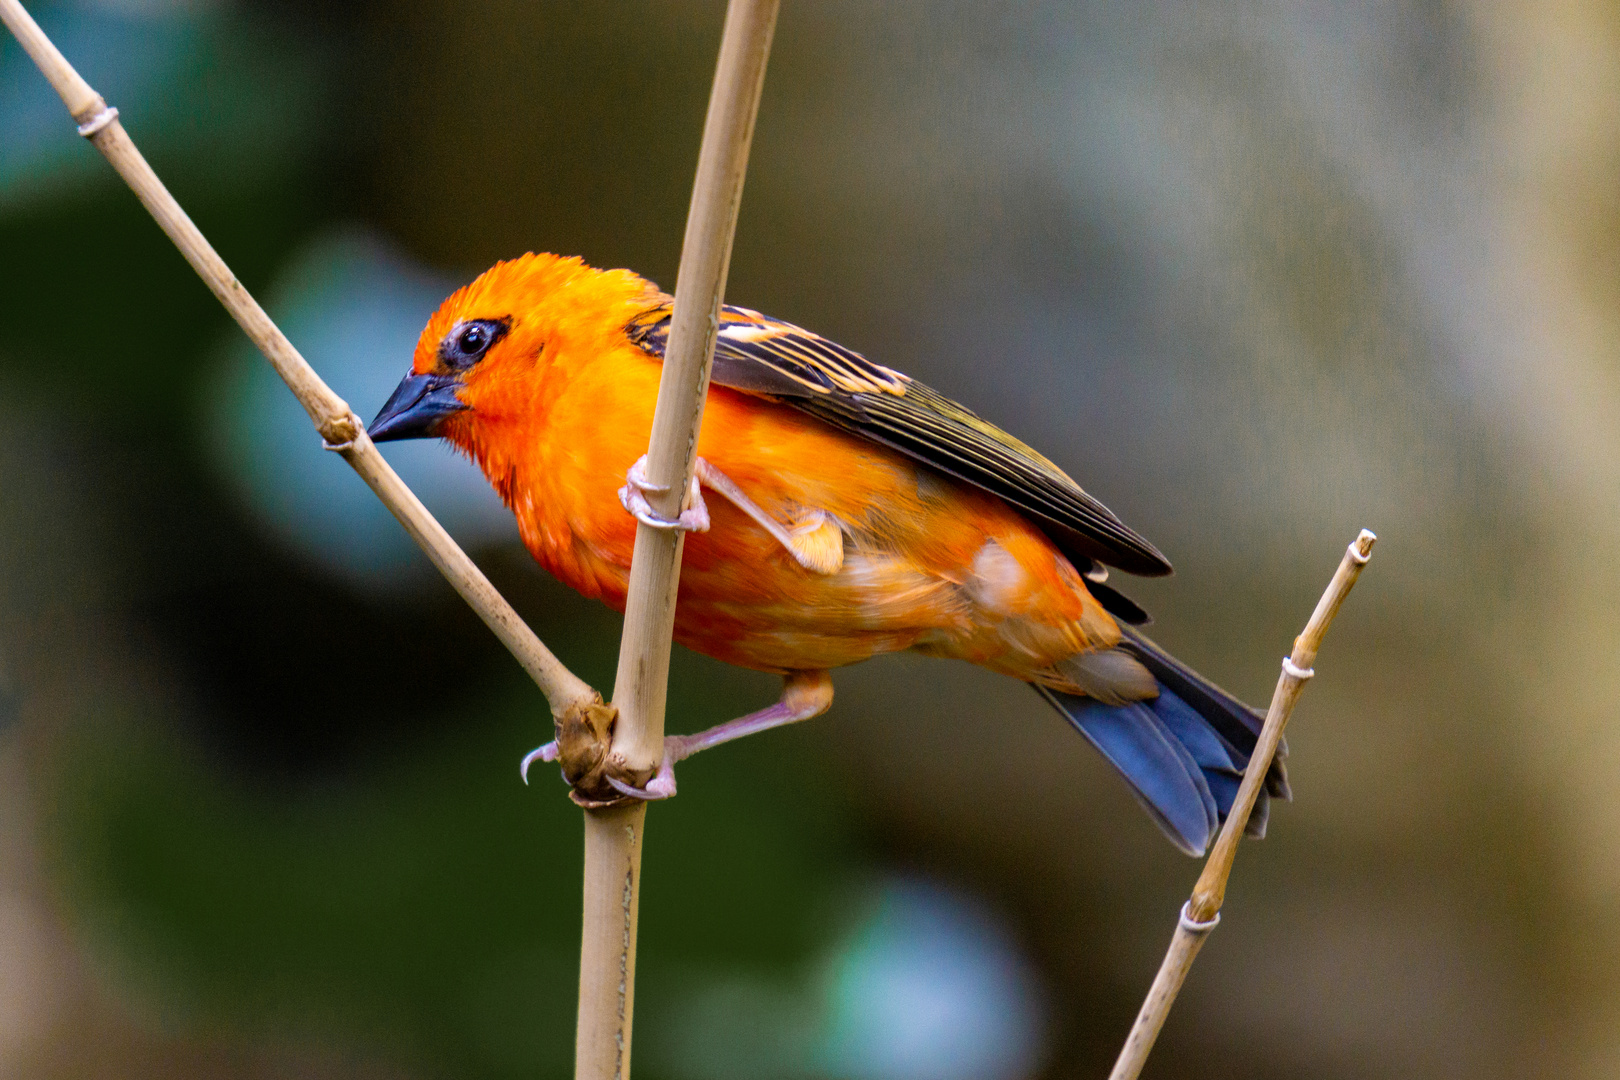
x: 467, y: 344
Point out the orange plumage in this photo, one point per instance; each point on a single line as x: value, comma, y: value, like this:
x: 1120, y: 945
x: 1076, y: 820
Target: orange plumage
x: 557, y: 426
x: 851, y: 511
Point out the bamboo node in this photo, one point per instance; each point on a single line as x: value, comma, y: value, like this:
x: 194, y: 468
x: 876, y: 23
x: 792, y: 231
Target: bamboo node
x: 585, y: 752
x: 1295, y: 671
x: 1192, y: 925
x: 338, y: 433
x: 103, y: 116
x: 1205, y: 902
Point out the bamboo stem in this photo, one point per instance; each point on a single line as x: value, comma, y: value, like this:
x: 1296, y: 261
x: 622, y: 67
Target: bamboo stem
x: 613, y: 837
x: 341, y: 429
x: 1203, y: 910
x: 607, y: 958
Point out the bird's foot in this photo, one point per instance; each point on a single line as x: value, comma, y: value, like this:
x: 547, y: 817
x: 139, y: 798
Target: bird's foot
x: 547, y: 752
x: 804, y: 694
x: 662, y: 785
x: 633, y: 497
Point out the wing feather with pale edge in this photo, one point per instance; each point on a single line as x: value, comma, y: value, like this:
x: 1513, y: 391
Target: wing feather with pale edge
x: 778, y: 360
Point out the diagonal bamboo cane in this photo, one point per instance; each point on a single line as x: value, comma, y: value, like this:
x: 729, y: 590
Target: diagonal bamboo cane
x: 607, y: 969
x: 341, y: 429
x: 1203, y: 910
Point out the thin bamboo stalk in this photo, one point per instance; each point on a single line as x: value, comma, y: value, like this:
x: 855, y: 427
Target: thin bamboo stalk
x: 613, y: 837
x: 1203, y: 910
x: 341, y: 429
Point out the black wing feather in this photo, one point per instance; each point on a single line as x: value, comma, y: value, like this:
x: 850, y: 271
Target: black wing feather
x: 764, y: 356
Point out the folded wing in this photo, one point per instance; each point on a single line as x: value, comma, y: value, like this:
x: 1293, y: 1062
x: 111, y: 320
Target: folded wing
x: 760, y: 355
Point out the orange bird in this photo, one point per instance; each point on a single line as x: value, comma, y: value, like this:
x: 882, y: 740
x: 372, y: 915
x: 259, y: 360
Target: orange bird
x: 840, y: 509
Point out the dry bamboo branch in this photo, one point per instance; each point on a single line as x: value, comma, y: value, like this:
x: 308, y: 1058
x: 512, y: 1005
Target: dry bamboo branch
x: 613, y: 837
x: 1203, y: 910
x: 341, y: 429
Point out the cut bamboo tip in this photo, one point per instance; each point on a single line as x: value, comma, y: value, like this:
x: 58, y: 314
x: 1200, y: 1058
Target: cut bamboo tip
x: 1297, y: 668
x: 340, y: 429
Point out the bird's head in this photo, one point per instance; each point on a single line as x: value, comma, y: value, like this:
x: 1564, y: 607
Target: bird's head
x: 479, y: 361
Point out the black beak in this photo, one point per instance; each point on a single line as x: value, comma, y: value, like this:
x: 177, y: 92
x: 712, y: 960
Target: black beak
x: 416, y: 406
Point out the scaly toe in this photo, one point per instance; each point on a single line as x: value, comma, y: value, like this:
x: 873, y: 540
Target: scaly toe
x: 637, y: 477
x: 653, y: 792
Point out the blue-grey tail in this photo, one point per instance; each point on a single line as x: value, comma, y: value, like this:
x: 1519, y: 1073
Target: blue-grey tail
x: 1183, y: 752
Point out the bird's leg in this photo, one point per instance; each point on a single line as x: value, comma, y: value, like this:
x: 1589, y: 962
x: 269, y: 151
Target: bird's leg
x: 804, y: 694
x: 816, y: 543
x: 633, y: 497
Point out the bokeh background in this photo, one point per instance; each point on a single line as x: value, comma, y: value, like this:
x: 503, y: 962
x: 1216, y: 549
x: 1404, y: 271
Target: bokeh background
x: 1258, y: 273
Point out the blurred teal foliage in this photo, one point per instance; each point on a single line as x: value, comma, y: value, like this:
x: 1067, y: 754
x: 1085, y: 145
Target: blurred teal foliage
x: 235, y: 115
x: 249, y: 96
x: 358, y: 305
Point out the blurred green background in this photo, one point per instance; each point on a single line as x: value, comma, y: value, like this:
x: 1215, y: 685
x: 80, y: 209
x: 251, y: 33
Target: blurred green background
x: 1257, y: 273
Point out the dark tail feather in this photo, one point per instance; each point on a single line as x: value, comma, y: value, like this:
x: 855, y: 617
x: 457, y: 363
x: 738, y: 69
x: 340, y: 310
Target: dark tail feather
x: 1182, y: 753
x: 1236, y: 722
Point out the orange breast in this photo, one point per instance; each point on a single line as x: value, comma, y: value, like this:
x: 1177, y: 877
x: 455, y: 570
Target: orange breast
x: 929, y: 563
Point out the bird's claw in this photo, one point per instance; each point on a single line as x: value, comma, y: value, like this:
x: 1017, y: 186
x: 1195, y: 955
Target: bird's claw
x: 547, y: 752
x: 633, y: 497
